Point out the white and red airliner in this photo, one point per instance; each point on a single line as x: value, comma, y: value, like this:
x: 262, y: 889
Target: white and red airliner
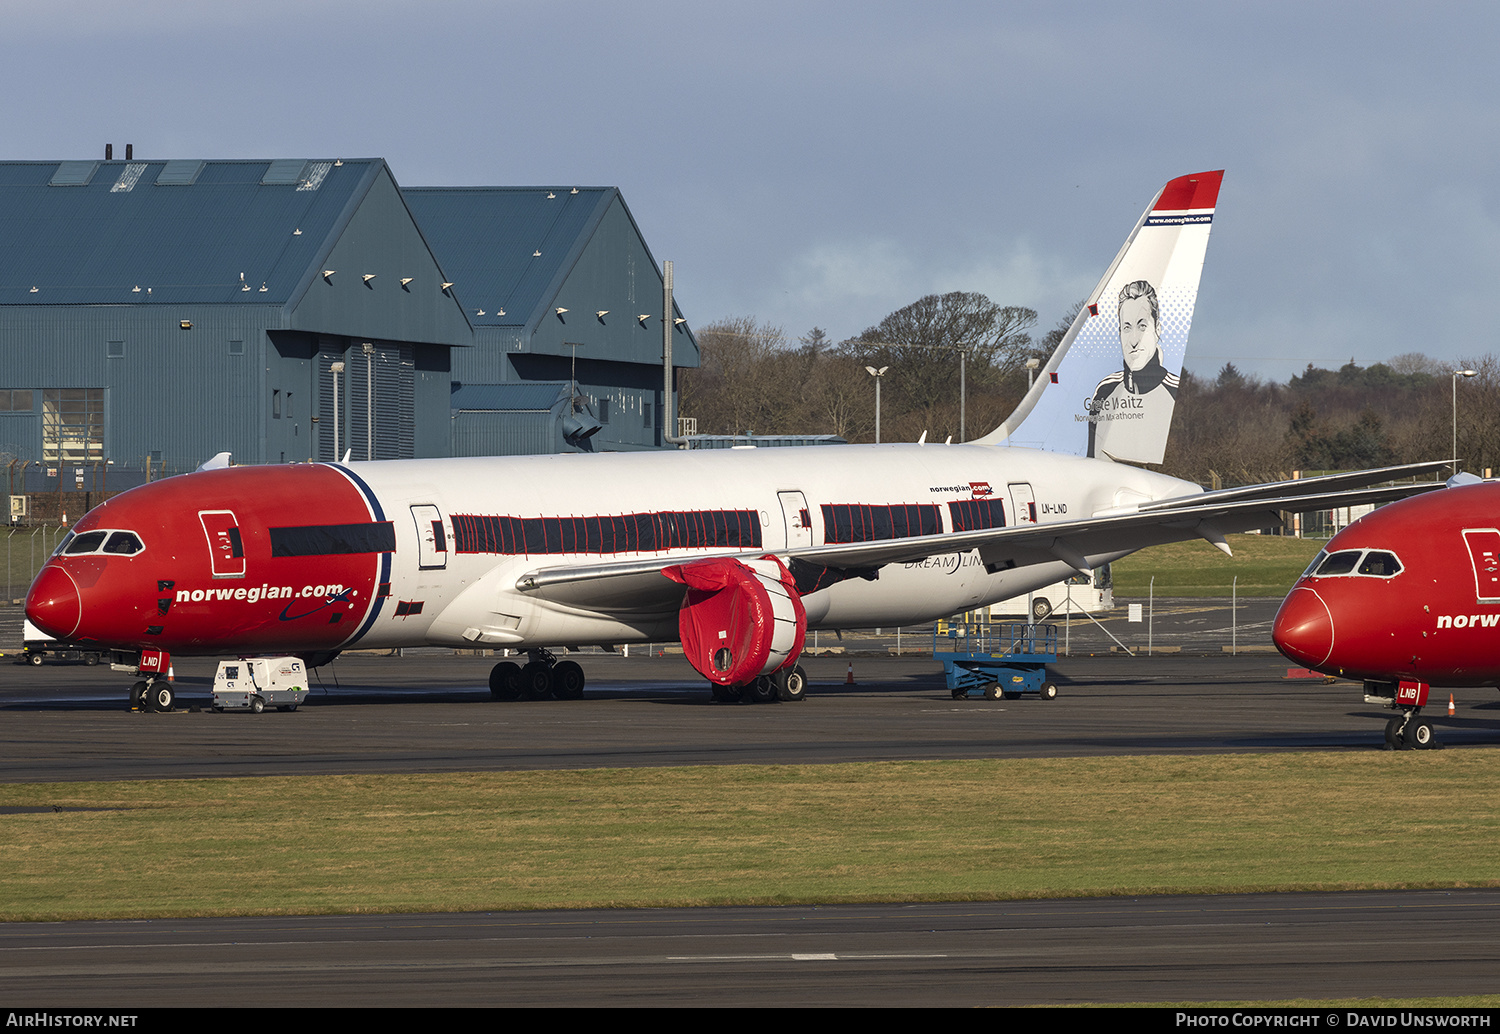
x: 1405, y: 599
x: 737, y: 553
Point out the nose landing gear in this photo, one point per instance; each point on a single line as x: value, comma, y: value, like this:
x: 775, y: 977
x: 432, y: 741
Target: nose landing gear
x: 154, y: 694
x: 1410, y: 731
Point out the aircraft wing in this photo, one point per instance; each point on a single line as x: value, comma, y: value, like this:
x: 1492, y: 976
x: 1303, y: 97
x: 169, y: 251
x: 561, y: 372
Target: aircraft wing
x: 639, y: 584
x: 1306, y: 486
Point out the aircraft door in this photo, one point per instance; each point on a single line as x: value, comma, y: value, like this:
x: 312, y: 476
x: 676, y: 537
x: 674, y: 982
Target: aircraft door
x: 798, y: 519
x: 432, y: 539
x: 1484, y: 554
x: 1022, y: 503
x: 225, y: 549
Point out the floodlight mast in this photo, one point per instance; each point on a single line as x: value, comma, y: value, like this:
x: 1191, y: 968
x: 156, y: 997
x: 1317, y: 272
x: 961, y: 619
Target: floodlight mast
x: 667, y: 409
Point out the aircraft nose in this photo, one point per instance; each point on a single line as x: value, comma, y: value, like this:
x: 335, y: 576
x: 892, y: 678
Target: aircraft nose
x: 1303, y: 629
x: 54, y: 604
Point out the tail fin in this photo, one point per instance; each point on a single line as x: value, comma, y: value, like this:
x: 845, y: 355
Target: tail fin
x: 1110, y: 387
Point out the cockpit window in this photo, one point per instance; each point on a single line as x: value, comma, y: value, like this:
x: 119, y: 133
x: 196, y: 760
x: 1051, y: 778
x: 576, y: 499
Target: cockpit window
x: 88, y: 542
x: 117, y: 543
x: 1341, y: 562
x: 124, y: 543
x: 1371, y: 563
x: 63, y: 544
x: 1378, y: 562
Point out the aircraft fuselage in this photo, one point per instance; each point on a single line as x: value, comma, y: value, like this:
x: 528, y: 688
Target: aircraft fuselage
x: 305, y: 558
x: 1411, y: 591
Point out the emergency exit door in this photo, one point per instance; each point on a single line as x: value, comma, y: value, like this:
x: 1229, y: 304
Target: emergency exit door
x: 1023, y: 503
x: 432, y: 538
x: 798, y: 520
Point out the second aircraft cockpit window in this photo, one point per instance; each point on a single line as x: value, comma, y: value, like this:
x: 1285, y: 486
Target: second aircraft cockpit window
x: 118, y: 543
x: 1374, y: 563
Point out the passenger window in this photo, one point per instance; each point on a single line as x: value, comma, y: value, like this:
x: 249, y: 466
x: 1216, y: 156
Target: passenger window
x: 123, y: 543
x: 1341, y: 562
x: 86, y: 543
x: 1378, y: 562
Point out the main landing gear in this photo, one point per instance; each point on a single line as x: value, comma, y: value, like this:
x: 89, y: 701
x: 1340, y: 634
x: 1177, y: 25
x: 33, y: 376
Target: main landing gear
x: 1410, y: 731
x: 788, y: 685
x: 542, y: 675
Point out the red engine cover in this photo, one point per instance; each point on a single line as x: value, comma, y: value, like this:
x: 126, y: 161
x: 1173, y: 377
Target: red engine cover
x: 740, y: 620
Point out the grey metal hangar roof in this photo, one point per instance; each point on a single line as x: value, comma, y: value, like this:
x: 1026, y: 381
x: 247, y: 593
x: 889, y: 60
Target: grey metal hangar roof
x: 283, y: 258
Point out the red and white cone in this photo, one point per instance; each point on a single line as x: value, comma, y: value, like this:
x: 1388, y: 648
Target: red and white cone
x: 171, y: 675
x: 849, y: 679
x: 1450, y: 705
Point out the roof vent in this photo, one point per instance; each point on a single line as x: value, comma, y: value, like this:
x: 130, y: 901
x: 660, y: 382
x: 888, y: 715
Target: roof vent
x: 74, y: 174
x: 180, y: 173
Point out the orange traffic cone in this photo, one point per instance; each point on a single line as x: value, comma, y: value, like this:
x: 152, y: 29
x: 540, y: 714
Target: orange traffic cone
x: 1450, y: 705
x: 849, y: 679
x: 171, y: 676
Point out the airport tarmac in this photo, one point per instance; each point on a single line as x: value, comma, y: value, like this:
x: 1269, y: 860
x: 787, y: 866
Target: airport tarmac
x: 430, y: 711
x: 1244, y: 948
x: 433, y: 713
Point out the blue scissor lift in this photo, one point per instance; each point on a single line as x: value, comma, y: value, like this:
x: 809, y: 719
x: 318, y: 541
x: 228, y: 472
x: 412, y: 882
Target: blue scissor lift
x: 1002, y: 660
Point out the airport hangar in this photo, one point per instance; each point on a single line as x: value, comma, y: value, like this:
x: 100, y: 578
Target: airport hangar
x: 162, y: 311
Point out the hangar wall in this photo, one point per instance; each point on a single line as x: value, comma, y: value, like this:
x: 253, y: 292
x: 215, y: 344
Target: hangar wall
x: 162, y: 311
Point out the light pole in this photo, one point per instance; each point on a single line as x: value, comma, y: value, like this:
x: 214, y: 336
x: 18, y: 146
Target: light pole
x: 877, y: 374
x: 369, y: 401
x: 1456, y: 375
x: 337, y: 369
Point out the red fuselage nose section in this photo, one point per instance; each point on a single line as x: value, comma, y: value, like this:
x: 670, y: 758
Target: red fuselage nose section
x: 1303, y: 629
x: 54, y: 604
x: 1411, y: 591
x: 291, y: 558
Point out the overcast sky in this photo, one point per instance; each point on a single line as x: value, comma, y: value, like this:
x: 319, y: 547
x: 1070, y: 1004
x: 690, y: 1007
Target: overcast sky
x: 820, y: 164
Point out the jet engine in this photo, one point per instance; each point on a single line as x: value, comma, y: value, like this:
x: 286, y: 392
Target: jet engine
x: 741, y: 618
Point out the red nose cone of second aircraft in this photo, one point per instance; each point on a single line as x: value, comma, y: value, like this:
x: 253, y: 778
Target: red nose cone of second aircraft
x: 1303, y: 629
x: 53, y: 604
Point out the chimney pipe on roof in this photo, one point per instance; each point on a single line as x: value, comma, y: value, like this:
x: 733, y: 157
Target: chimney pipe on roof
x: 109, y: 152
x: 129, y: 151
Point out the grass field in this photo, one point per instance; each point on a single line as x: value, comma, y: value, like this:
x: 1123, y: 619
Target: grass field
x: 891, y: 831
x: 1266, y: 565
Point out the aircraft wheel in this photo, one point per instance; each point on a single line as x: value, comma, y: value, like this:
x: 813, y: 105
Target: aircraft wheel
x: 160, y: 695
x: 1049, y: 691
x: 567, y: 681
x: 257, y: 705
x: 536, y: 681
x: 992, y: 691
x: 1420, y: 735
x: 1393, y: 734
x: 794, y: 686
x: 34, y: 658
x: 138, y: 696
x: 90, y: 659
x: 763, y: 689
x: 1040, y: 608
x: 505, y: 681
